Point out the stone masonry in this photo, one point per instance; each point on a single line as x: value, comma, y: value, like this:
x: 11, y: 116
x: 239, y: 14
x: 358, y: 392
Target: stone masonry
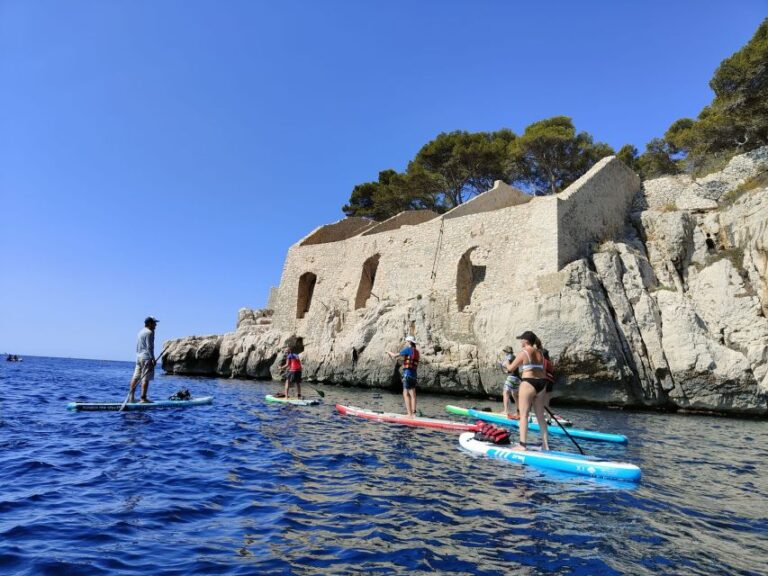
x: 641, y: 301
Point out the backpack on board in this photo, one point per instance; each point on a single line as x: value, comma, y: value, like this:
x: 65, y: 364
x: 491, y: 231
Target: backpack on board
x: 182, y: 394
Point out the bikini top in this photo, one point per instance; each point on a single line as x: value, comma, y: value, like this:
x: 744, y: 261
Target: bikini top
x: 530, y: 366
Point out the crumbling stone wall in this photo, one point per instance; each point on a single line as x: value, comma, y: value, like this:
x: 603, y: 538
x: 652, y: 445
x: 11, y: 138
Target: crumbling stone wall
x: 497, y: 243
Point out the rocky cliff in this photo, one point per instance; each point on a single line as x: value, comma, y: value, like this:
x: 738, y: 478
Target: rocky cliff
x: 669, y: 313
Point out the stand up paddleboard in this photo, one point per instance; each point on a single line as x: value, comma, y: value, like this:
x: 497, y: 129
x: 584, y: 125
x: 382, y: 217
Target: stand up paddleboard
x: 115, y: 406
x: 392, y: 418
x: 561, y: 461
x: 552, y: 428
x: 294, y: 401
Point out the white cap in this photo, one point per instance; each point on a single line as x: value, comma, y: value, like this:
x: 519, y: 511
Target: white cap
x: 410, y: 339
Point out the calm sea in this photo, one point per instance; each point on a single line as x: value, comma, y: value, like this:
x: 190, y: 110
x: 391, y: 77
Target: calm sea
x: 240, y: 487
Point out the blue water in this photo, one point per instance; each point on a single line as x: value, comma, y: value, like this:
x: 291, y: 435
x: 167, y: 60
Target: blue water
x: 241, y: 487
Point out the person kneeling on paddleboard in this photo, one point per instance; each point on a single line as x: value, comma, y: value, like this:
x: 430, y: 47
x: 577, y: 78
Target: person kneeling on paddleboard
x: 292, y: 363
x: 410, y: 357
x: 533, y: 385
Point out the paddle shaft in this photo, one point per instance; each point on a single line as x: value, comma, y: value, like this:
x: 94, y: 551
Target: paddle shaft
x: 561, y: 426
x: 284, y: 375
x: 132, y: 386
x: 554, y: 419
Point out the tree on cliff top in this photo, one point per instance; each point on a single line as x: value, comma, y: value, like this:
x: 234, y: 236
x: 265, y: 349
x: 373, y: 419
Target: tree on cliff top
x: 463, y: 164
x: 444, y: 173
x: 391, y: 194
x: 735, y: 121
x: 455, y: 166
x: 550, y: 155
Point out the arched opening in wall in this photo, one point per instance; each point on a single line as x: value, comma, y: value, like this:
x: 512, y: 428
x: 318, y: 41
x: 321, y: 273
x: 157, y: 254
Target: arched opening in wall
x: 367, y: 278
x: 306, y: 288
x: 295, y: 343
x: 468, y: 277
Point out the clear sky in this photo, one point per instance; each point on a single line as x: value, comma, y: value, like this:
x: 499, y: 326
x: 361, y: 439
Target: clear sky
x: 159, y: 157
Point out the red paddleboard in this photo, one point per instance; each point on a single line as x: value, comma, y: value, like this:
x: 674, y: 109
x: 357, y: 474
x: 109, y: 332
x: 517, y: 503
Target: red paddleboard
x: 392, y: 418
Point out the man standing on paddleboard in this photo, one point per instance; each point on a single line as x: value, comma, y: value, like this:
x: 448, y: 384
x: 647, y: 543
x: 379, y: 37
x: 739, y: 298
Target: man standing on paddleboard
x: 145, y: 360
x: 410, y: 357
x: 511, y: 384
x: 292, y: 363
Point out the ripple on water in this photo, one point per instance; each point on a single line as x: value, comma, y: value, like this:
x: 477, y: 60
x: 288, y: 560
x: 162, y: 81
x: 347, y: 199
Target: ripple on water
x: 239, y: 487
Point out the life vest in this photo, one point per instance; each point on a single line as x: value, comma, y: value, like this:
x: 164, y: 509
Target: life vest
x: 489, y: 433
x: 549, y: 370
x: 294, y: 364
x: 411, y: 362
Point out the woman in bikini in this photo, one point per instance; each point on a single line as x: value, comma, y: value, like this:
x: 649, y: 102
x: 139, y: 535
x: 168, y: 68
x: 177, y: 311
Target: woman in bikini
x: 532, y: 386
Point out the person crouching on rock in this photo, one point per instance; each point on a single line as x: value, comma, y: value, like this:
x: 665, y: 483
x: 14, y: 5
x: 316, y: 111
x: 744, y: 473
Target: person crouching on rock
x: 410, y: 357
x: 533, y: 386
x: 292, y: 363
x: 511, y: 384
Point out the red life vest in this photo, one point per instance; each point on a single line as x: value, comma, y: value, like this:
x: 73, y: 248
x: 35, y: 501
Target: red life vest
x: 411, y: 362
x: 489, y: 433
x: 294, y: 364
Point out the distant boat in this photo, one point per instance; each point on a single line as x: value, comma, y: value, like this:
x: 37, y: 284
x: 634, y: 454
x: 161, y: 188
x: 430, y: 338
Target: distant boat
x: 13, y: 358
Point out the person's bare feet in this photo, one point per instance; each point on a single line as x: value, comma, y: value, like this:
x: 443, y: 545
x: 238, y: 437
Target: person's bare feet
x: 146, y: 401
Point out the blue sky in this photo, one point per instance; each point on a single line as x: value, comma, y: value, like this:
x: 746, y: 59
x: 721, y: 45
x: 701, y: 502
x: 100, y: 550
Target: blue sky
x: 159, y: 157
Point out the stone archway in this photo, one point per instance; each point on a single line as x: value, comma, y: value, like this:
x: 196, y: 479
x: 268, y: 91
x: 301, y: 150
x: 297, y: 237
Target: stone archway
x: 307, y: 283
x: 367, y: 279
x: 468, y: 277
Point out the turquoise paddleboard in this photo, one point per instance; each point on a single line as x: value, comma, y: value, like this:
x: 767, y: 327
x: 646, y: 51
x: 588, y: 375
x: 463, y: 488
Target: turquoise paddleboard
x: 552, y: 428
x: 115, y: 406
x: 294, y: 401
x: 561, y: 461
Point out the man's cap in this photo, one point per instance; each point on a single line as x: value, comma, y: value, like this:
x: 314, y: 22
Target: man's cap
x: 508, y: 349
x: 410, y: 339
x: 149, y: 319
x: 528, y: 335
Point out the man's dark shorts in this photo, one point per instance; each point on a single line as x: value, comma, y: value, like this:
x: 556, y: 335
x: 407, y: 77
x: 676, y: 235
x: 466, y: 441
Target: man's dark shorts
x: 409, y: 383
x: 294, y: 377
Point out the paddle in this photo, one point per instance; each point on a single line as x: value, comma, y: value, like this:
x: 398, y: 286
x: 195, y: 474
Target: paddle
x: 319, y: 392
x: 284, y: 375
x: 131, y: 388
x: 563, y: 427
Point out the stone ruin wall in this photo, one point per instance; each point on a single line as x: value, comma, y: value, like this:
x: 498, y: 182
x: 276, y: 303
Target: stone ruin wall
x: 662, y: 304
x: 594, y: 208
x: 466, y: 259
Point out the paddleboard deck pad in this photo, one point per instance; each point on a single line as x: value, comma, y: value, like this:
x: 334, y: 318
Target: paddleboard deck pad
x: 552, y: 428
x: 552, y: 460
x: 293, y: 401
x: 392, y: 418
x: 115, y: 406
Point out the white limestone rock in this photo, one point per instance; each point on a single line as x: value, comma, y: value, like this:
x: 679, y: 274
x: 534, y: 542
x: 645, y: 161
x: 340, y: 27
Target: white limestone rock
x: 708, y: 375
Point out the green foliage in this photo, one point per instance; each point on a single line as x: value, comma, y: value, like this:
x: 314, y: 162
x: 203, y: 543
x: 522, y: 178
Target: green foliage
x: 462, y: 164
x: 735, y: 121
x: 628, y: 155
x: 444, y: 173
x: 391, y: 194
x: 657, y: 159
x: 455, y: 166
x: 550, y: 155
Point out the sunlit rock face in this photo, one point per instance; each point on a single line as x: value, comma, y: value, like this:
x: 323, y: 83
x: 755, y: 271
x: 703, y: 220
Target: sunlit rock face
x: 649, y: 295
